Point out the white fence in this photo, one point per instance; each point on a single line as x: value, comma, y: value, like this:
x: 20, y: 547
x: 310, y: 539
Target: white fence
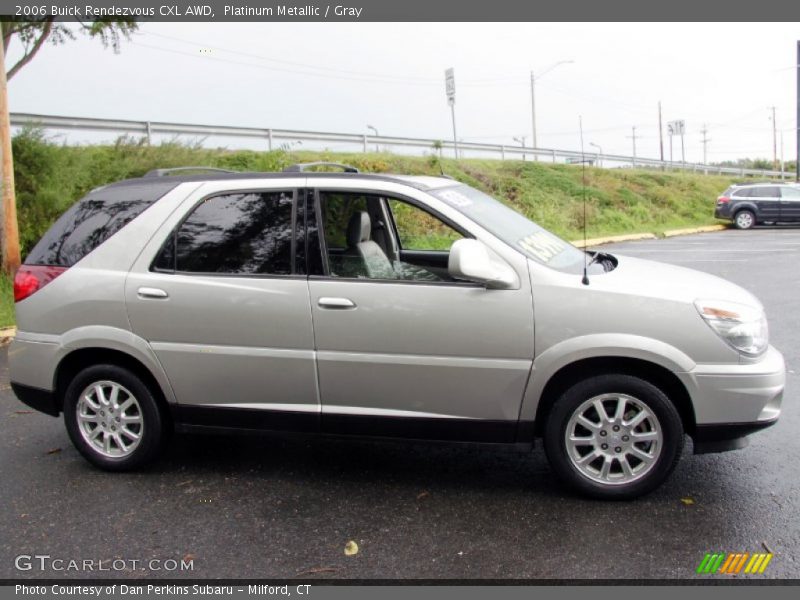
x: 273, y: 138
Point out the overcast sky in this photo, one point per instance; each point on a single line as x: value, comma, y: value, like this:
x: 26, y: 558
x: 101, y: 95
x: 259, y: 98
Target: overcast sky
x: 341, y: 77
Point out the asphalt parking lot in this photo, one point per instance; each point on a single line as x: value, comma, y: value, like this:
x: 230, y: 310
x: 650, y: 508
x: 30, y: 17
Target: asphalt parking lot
x: 265, y: 508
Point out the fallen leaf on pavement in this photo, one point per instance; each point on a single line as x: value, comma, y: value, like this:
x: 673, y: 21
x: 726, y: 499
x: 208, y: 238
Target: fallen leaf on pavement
x: 687, y: 501
x: 350, y: 548
x: 54, y: 451
x: 422, y: 495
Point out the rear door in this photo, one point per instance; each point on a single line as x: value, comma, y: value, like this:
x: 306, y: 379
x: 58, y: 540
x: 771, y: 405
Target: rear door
x: 790, y: 204
x: 221, y: 296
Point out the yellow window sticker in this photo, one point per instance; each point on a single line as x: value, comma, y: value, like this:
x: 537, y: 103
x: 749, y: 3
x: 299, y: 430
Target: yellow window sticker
x: 542, y: 245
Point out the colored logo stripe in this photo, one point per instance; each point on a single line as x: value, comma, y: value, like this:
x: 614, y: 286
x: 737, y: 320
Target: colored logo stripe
x: 733, y: 563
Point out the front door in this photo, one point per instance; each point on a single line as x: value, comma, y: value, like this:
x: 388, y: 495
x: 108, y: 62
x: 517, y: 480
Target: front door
x: 790, y: 204
x: 226, y: 311
x: 404, y: 350
x: 768, y: 201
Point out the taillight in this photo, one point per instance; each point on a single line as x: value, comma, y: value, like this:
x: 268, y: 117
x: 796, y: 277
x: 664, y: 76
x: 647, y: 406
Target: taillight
x: 723, y: 200
x: 31, y: 278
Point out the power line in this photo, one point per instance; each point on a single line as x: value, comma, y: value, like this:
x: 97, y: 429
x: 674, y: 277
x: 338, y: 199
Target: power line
x: 512, y: 79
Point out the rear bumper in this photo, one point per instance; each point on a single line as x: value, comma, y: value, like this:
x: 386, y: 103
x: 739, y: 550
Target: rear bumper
x: 722, y: 211
x: 37, y: 398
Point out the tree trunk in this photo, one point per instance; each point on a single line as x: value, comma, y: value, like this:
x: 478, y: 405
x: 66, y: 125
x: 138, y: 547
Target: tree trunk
x: 11, y: 256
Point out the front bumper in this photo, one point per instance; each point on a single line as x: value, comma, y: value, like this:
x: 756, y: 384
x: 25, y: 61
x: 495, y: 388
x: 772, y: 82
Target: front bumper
x: 732, y: 401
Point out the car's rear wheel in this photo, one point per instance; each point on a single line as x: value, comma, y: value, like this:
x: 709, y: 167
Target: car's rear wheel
x: 745, y: 219
x: 613, y: 437
x: 113, y: 419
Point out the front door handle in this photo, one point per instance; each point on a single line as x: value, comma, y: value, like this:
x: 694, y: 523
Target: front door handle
x: 336, y: 303
x: 149, y: 292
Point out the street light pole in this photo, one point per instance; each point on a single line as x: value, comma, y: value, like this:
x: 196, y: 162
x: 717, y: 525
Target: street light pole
x: 521, y: 141
x: 599, y: 153
x: 533, y: 100
x: 376, y: 135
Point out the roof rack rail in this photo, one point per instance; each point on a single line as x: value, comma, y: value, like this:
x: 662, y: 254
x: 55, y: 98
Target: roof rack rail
x: 759, y: 182
x: 162, y: 172
x: 303, y: 167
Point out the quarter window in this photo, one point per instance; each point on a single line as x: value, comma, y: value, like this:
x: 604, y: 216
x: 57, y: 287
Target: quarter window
x: 246, y: 233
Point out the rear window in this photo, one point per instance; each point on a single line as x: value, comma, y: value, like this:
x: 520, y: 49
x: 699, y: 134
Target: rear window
x: 92, y: 220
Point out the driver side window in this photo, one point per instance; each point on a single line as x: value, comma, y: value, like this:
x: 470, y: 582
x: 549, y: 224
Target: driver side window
x: 361, y: 234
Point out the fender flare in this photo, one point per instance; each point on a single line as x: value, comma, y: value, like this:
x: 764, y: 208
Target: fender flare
x: 113, y: 338
x: 601, y: 345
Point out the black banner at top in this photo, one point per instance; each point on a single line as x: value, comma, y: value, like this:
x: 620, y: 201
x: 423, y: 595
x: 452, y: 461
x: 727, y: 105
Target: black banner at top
x: 408, y: 10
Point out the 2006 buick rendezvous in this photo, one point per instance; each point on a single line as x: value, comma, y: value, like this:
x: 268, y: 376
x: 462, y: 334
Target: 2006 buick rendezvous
x: 378, y: 305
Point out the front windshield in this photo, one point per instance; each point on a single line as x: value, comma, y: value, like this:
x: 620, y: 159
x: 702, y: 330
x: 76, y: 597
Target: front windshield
x: 513, y: 228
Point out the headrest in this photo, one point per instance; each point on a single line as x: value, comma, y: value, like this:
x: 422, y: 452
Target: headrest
x: 358, y: 229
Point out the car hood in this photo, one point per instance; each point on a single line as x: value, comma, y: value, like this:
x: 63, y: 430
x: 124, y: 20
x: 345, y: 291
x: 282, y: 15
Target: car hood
x: 659, y: 280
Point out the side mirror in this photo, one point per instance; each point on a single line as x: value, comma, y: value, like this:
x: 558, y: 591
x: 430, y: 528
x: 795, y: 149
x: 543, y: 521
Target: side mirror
x: 470, y: 260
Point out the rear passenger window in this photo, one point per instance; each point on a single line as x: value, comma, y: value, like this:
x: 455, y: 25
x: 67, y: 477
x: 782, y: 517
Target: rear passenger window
x: 246, y: 234
x: 765, y: 192
x: 94, y: 219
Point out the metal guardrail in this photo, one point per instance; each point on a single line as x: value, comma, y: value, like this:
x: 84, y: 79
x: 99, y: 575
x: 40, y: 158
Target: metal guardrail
x: 272, y: 136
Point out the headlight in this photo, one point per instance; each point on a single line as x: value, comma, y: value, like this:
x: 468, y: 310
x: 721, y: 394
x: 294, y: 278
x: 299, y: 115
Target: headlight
x: 743, y: 327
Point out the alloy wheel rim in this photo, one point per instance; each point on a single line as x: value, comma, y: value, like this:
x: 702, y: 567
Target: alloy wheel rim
x: 110, y: 419
x: 613, y: 439
x: 744, y: 220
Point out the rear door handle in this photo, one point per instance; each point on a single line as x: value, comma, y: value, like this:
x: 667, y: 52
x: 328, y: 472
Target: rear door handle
x: 336, y: 303
x: 149, y: 292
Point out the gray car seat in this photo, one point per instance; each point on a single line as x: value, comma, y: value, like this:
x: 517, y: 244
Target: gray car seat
x: 366, y: 258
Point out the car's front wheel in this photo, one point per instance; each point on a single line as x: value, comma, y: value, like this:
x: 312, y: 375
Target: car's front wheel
x: 745, y: 219
x: 113, y: 418
x: 613, y: 436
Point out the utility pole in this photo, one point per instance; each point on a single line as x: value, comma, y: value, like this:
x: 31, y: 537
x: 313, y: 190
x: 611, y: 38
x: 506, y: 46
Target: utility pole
x: 10, y: 242
x: 704, y: 131
x: 533, y: 114
x: 633, y: 137
x: 683, y: 150
x: 660, y: 132
x: 783, y: 166
x: 797, y: 123
x: 774, y: 141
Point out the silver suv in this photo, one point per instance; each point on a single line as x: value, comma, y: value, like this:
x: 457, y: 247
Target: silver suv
x: 382, y: 306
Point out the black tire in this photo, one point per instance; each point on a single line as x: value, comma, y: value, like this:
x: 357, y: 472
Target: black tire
x: 744, y: 219
x: 153, y: 427
x: 643, y: 392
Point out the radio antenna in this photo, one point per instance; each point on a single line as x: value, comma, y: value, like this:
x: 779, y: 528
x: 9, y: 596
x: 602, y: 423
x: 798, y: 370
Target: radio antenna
x: 585, y: 280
